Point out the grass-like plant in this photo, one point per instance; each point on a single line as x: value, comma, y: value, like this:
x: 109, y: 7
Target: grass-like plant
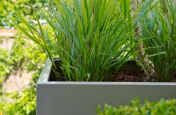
x: 91, y: 37
x: 159, y: 38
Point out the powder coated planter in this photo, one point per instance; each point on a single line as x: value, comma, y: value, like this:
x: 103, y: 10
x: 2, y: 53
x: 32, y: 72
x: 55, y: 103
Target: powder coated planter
x: 82, y: 98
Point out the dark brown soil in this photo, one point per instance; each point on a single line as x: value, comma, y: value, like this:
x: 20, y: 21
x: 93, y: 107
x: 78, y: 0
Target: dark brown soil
x: 130, y: 72
x: 174, y: 78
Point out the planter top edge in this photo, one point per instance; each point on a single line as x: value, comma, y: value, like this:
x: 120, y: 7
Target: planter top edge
x: 44, y: 80
x: 107, y: 83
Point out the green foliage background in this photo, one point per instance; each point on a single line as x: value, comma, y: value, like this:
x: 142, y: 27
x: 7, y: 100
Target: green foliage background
x: 25, y: 55
x: 4, y: 64
x: 9, y: 7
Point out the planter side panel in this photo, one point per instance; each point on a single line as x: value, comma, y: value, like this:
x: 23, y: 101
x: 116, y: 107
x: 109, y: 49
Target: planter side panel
x: 83, y: 99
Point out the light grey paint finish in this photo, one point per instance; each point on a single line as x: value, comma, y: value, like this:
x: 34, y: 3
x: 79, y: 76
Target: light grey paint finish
x: 73, y: 99
x: 44, y: 76
x: 82, y: 98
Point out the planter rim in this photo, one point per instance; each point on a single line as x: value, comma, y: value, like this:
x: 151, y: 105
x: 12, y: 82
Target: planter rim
x: 44, y: 76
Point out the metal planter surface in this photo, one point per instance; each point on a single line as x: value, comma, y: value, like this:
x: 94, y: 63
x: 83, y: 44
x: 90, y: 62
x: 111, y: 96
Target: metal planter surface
x: 82, y: 98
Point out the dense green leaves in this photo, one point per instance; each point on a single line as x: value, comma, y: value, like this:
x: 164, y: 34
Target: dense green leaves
x: 9, y: 7
x: 25, y: 55
x: 18, y: 58
x: 5, y: 63
x: 162, y: 107
x: 20, y: 104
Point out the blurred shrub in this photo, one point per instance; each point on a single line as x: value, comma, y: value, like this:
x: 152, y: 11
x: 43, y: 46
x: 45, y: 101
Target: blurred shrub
x: 163, y: 107
x: 9, y: 7
x: 25, y: 55
x: 5, y: 63
x: 20, y: 103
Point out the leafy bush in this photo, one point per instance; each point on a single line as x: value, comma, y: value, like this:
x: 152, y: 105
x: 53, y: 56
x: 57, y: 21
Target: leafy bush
x: 9, y: 7
x: 25, y: 55
x: 19, y: 104
x: 23, y: 103
x: 4, y: 64
x: 163, y: 107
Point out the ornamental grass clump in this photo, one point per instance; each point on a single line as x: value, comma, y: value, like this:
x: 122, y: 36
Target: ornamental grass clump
x: 90, y: 37
x: 159, y: 38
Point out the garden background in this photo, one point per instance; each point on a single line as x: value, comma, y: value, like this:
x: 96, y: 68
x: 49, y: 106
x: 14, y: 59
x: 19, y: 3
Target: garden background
x: 20, y: 60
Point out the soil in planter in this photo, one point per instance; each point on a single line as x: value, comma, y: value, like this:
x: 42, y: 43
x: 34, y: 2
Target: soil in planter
x: 174, y: 78
x: 55, y: 74
x: 130, y: 72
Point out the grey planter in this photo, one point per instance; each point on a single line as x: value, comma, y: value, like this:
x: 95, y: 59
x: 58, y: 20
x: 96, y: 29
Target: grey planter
x: 82, y: 98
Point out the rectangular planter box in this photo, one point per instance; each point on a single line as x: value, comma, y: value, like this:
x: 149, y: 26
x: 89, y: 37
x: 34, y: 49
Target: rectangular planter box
x: 82, y: 98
